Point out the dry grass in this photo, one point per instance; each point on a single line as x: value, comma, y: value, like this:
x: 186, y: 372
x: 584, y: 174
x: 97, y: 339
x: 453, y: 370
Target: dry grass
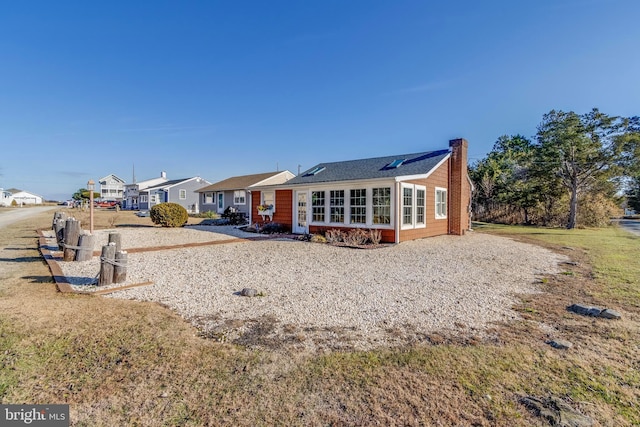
x: 129, y: 363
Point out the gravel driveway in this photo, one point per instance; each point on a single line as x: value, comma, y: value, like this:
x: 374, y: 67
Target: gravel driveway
x: 316, y: 296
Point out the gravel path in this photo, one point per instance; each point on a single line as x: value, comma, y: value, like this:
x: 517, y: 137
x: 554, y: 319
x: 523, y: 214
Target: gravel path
x: 316, y: 296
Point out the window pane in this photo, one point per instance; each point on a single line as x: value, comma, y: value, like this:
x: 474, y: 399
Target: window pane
x: 317, y: 206
x: 358, y: 202
x: 407, y: 206
x: 420, y: 206
x: 381, y: 201
x: 336, y: 204
x: 441, y: 203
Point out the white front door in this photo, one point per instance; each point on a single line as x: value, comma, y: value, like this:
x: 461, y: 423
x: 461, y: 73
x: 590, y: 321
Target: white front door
x: 300, y: 224
x: 220, y: 202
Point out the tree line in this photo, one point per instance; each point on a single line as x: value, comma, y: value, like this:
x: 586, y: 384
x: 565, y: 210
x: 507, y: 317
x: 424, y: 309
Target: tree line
x: 578, y: 170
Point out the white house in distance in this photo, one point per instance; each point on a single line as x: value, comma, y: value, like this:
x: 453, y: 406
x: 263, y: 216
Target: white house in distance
x: 180, y: 191
x: 131, y: 196
x: 5, y: 198
x: 26, y: 198
x: 111, y: 188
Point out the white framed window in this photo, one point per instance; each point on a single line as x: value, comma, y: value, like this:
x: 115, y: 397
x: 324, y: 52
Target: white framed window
x: 441, y: 203
x: 381, y: 205
x: 269, y: 199
x: 336, y: 206
x: 317, y: 206
x: 358, y: 204
x: 183, y: 194
x: 420, y: 206
x: 413, y: 206
x: 239, y: 197
x: 208, y: 198
x: 407, y: 205
x: 143, y: 198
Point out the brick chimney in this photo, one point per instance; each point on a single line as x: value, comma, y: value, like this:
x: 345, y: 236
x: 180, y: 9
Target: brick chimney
x: 459, y: 188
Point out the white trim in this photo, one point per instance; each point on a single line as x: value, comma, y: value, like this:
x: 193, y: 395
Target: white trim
x: 446, y: 202
x: 347, y: 206
x: 237, y: 197
x: 425, y: 175
x: 414, y: 211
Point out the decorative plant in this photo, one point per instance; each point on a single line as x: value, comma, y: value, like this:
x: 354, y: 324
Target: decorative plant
x: 356, y: 237
x: 262, y: 208
x: 169, y: 215
x: 375, y: 236
x: 334, y: 235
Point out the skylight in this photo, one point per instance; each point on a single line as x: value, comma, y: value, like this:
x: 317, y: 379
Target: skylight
x: 396, y: 163
x: 315, y: 171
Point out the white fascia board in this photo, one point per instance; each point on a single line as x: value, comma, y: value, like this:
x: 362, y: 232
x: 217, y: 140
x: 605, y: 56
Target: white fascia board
x: 423, y: 175
x: 288, y: 175
x: 335, y: 184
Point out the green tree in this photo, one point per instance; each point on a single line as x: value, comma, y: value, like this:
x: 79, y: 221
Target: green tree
x: 83, y: 194
x: 579, y: 151
x: 502, y: 180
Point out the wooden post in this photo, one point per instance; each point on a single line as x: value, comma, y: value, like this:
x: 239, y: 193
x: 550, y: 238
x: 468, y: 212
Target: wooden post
x: 86, y: 242
x: 106, y: 264
x: 117, y: 239
x: 59, y: 229
x: 58, y: 216
x: 71, y: 234
x: 120, y: 269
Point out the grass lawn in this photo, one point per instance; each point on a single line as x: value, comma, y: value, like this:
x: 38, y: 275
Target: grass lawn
x: 131, y: 363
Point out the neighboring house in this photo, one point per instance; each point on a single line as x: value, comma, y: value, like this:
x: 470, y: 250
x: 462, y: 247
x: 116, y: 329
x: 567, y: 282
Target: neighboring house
x: 132, y: 198
x: 5, y: 198
x: 407, y: 196
x: 111, y: 188
x: 26, y: 198
x: 180, y: 191
x: 236, y: 192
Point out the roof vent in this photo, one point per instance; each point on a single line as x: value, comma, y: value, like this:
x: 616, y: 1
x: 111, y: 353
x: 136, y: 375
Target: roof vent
x: 315, y: 171
x: 395, y: 164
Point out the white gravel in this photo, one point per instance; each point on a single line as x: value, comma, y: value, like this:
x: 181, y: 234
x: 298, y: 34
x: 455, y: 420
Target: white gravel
x: 319, y: 296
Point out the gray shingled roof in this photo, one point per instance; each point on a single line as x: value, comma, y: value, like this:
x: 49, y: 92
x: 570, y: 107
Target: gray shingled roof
x: 239, y: 182
x: 167, y: 184
x: 414, y: 164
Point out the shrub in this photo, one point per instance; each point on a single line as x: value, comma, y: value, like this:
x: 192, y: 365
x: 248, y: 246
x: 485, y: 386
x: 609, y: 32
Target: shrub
x: 234, y: 217
x: 356, y: 237
x: 169, y: 215
x: 274, y: 228
x: 318, y: 238
x: 334, y: 235
x: 375, y: 236
x: 14, y: 203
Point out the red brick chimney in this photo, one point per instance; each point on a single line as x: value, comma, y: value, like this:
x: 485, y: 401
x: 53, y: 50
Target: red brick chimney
x: 459, y: 188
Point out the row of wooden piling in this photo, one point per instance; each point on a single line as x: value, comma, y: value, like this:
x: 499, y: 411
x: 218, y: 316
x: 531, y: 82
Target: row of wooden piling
x: 77, y: 245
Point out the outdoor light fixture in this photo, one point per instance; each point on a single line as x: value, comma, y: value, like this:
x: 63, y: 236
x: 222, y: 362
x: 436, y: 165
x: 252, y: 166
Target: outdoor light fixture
x: 90, y: 186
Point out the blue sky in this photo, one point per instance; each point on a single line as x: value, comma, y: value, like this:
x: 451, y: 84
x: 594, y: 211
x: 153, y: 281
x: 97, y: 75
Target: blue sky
x: 217, y: 89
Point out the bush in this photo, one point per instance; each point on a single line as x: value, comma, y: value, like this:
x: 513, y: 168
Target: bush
x: 274, y: 228
x: 169, y: 215
x: 234, y: 217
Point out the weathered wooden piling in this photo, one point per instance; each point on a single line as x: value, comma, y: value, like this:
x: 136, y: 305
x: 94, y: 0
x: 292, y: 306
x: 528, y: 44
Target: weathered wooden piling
x: 120, y: 268
x: 107, y: 259
x: 86, y: 242
x: 70, y: 240
x: 117, y: 239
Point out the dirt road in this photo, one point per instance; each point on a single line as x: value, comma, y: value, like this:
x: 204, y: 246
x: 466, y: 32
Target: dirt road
x: 11, y: 215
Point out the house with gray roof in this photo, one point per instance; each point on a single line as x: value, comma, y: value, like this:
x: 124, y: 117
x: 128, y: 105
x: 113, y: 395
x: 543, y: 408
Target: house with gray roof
x: 180, y: 191
x: 405, y: 196
x: 236, y: 192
